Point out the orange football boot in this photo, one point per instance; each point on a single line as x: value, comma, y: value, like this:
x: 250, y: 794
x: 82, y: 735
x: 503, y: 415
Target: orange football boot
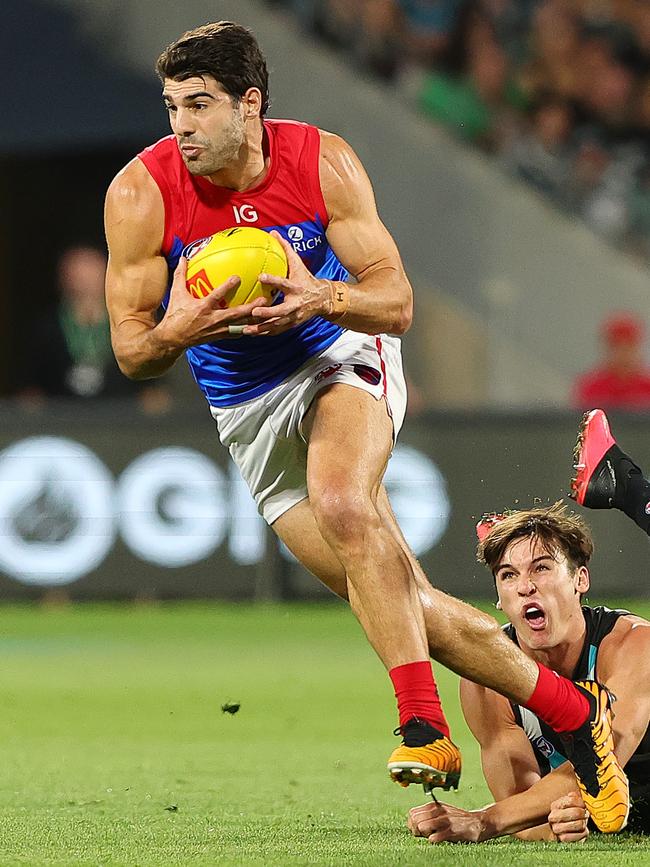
x: 425, y: 756
x: 590, y: 749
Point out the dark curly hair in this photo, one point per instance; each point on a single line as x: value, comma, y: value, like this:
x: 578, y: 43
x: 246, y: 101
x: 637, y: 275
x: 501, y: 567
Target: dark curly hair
x: 226, y: 51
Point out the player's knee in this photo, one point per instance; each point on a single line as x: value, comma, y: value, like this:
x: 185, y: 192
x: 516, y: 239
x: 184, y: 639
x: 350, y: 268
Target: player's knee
x: 343, y: 514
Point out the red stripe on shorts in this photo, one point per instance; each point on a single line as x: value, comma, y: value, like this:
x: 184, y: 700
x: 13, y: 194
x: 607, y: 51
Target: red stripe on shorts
x: 381, y: 362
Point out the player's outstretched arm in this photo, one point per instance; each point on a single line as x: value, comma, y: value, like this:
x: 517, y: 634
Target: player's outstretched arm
x: 446, y: 823
x: 624, y: 667
x: 382, y: 298
x: 509, y: 767
x: 523, y: 800
x: 137, y: 278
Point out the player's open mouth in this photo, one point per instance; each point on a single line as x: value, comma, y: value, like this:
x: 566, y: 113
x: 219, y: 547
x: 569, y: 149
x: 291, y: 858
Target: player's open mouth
x: 534, y: 615
x: 191, y: 150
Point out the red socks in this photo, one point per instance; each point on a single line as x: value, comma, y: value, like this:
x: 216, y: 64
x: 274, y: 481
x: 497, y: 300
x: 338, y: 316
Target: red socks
x: 417, y: 695
x: 557, y: 702
x: 555, y: 699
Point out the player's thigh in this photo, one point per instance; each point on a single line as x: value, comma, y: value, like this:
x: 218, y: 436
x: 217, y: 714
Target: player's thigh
x: 298, y: 530
x: 349, y: 440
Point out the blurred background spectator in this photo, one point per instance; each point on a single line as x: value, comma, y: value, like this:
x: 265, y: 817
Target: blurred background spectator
x: 621, y: 380
x: 539, y: 152
x: 70, y: 353
x: 559, y: 90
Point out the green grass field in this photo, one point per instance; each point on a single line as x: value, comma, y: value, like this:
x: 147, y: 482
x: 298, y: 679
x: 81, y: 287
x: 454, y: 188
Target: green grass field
x: 115, y: 749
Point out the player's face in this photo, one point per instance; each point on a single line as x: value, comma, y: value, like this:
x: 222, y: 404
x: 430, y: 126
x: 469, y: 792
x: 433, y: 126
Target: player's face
x: 540, y: 594
x: 209, y: 127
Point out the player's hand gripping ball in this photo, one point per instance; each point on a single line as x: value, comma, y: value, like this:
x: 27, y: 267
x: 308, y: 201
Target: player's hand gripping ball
x: 244, y: 252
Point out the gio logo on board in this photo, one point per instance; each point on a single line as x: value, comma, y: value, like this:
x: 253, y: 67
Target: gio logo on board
x: 62, y: 510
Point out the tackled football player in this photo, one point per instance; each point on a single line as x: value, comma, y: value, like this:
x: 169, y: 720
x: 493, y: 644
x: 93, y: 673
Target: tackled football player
x: 308, y: 395
x: 539, y: 559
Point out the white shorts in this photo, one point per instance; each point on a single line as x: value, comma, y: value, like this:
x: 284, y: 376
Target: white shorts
x: 264, y: 435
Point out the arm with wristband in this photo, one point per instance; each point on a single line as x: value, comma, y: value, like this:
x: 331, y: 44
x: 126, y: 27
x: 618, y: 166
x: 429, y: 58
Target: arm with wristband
x: 381, y: 299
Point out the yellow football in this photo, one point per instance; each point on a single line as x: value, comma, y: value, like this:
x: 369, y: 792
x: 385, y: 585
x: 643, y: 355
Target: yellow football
x: 242, y: 251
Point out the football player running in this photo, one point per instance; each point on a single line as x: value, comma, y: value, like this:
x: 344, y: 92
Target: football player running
x: 309, y: 395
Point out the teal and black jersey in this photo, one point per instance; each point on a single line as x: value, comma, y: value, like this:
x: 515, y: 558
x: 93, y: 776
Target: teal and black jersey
x: 548, y: 747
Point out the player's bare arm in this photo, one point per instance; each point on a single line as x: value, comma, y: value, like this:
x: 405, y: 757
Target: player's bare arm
x: 526, y: 815
x: 507, y: 758
x: 382, y: 298
x: 624, y: 666
x: 512, y: 775
x: 136, y: 281
x: 510, y: 769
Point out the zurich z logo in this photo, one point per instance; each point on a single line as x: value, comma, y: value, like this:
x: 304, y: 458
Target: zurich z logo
x: 305, y: 238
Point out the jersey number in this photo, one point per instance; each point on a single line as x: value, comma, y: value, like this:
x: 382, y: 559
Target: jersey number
x: 247, y: 213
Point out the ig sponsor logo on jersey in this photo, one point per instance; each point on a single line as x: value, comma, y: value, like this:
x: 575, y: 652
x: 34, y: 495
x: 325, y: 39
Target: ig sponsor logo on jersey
x: 245, y: 214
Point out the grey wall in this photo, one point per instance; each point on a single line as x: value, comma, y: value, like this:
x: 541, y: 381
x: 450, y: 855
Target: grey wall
x: 530, y: 282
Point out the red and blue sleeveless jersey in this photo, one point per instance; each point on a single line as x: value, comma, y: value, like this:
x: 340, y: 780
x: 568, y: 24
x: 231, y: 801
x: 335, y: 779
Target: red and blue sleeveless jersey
x: 289, y: 199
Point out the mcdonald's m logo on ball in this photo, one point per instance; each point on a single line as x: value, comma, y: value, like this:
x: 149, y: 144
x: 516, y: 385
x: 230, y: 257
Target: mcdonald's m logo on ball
x: 199, y: 285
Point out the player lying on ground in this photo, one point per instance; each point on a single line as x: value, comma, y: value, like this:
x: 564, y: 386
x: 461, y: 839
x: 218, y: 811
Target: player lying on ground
x: 521, y: 758
x: 310, y: 399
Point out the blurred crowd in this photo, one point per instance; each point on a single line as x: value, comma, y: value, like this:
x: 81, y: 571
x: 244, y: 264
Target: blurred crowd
x: 557, y: 90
